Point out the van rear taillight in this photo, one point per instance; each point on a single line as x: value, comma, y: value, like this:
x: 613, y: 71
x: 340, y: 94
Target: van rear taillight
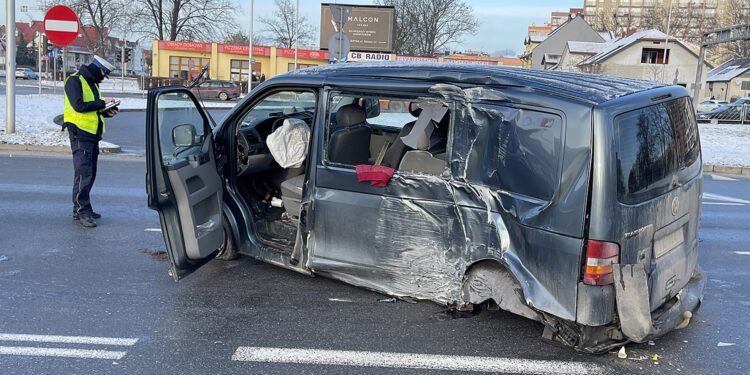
x: 599, y: 258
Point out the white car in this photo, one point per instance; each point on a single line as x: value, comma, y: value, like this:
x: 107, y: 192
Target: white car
x: 709, y: 105
x: 26, y: 73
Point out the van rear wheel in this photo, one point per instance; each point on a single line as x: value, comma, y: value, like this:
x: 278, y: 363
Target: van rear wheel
x: 228, y: 250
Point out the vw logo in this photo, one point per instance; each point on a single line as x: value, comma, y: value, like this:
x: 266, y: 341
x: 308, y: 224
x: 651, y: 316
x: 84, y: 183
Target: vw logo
x: 675, y: 206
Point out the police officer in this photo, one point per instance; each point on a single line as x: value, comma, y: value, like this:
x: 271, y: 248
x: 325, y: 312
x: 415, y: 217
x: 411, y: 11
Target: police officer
x: 84, y: 119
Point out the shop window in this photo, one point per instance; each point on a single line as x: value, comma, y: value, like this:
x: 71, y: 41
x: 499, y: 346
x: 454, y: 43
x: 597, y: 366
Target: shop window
x: 238, y: 70
x: 654, y: 56
x: 187, y: 68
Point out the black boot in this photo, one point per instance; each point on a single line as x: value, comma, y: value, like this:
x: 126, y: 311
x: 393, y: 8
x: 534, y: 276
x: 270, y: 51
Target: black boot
x: 95, y: 215
x: 87, y: 220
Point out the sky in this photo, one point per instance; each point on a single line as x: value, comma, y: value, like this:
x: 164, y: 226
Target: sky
x: 503, y: 22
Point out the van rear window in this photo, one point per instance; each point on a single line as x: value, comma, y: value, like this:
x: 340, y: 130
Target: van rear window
x: 655, y: 146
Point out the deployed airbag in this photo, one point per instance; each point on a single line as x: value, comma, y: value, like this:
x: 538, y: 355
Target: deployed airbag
x: 288, y: 144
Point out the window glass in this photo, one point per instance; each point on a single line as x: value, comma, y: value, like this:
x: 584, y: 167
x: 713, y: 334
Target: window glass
x: 369, y: 129
x: 186, y: 67
x: 654, y: 56
x: 178, y: 117
x: 297, y: 104
x: 515, y: 150
x: 653, y: 144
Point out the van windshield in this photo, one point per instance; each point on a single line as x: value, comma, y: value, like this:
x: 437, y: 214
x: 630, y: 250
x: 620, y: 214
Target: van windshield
x: 655, y: 147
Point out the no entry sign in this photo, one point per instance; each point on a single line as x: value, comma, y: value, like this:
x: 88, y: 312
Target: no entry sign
x: 61, y: 25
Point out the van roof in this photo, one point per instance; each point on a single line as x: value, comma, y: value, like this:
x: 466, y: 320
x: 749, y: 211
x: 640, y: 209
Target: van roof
x: 583, y: 86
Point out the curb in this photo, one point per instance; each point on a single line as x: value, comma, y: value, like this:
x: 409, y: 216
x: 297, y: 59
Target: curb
x: 743, y: 171
x: 61, y: 149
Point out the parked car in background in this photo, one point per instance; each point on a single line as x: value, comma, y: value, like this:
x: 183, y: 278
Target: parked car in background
x: 216, y: 89
x: 26, y: 73
x: 728, y: 112
x: 566, y: 198
x: 709, y: 105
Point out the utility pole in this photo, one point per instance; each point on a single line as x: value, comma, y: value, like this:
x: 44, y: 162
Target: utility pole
x: 296, y: 36
x: 122, y: 67
x: 10, y: 66
x: 666, y: 44
x: 39, y: 48
x: 250, y: 51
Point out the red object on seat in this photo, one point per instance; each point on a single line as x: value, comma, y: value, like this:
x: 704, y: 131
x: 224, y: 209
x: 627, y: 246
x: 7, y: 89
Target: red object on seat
x: 377, y: 175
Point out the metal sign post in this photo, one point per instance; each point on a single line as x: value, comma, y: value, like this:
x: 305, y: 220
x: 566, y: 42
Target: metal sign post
x: 714, y: 37
x: 122, y: 67
x: 250, y: 51
x: 40, y: 47
x: 10, y: 66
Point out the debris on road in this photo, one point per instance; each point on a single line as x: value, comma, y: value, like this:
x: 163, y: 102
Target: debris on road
x: 387, y: 300
x: 340, y: 300
x: 4, y: 258
x: 622, y: 354
x: 721, y: 344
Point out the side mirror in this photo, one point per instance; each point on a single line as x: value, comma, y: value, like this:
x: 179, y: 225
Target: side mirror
x: 184, y: 135
x: 372, y: 107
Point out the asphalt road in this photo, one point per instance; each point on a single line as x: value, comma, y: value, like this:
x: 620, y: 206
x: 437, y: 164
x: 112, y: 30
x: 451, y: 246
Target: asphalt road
x: 105, y: 296
x: 128, y: 130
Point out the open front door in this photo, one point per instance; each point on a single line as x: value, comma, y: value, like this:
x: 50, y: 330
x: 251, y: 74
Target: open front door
x: 182, y: 182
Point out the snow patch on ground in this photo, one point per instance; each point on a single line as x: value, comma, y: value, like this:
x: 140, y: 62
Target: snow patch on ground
x: 725, y: 144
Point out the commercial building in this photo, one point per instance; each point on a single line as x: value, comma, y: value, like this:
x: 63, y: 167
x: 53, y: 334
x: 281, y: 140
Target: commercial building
x: 729, y: 81
x: 184, y: 60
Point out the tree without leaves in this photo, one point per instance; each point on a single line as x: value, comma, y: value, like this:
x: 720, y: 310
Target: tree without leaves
x: 198, y: 20
x: 281, y: 28
x: 425, y: 27
x: 240, y: 37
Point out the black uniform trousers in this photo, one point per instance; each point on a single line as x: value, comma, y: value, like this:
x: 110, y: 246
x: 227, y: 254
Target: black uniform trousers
x: 85, y: 157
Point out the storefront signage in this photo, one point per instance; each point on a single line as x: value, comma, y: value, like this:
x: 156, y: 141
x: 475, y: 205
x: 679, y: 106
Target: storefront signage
x: 239, y: 49
x: 475, y: 62
x: 302, y: 54
x: 184, y: 46
x: 369, y: 28
x: 416, y: 58
x: 368, y: 56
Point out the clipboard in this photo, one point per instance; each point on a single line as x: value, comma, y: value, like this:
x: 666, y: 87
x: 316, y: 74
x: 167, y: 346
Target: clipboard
x: 110, y: 105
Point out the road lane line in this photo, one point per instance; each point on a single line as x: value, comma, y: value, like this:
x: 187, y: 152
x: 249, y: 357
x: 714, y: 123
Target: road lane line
x: 152, y: 230
x: 742, y: 252
x: 61, y: 352
x: 724, y: 198
x: 723, y: 204
x: 68, y: 339
x: 414, y: 361
x: 717, y: 177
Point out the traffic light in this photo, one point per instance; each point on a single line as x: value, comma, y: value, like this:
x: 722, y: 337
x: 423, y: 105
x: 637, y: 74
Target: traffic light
x: 128, y: 55
x: 119, y: 55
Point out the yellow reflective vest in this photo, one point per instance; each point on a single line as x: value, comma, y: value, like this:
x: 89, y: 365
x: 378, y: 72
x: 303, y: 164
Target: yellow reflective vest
x: 86, y: 121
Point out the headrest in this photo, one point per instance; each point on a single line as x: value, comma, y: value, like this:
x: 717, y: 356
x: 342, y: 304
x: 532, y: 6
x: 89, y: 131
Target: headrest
x: 350, y: 115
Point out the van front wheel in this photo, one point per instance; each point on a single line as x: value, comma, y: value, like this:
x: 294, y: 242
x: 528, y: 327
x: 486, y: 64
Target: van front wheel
x: 228, y: 250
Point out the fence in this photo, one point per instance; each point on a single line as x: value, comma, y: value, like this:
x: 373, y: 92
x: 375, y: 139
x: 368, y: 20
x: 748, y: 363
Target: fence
x: 728, y: 113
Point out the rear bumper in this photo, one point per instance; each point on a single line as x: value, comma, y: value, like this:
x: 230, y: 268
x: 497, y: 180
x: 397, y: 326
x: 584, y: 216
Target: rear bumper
x: 637, y: 322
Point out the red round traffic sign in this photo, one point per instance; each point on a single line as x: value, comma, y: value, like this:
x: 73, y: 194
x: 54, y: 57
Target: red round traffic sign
x: 61, y: 25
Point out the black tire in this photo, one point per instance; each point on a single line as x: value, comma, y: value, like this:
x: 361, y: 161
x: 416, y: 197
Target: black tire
x: 223, y: 96
x: 227, y: 251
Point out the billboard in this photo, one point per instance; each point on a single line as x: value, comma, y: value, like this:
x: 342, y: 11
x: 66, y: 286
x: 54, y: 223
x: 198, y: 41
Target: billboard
x: 369, y: 27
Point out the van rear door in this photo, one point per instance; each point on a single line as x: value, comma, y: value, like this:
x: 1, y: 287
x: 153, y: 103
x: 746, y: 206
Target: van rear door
x: 658, y: 167
x: 647, y: 192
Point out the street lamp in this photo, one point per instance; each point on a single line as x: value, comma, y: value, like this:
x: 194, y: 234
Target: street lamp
x: 250, y: 51
x: 10, y: 66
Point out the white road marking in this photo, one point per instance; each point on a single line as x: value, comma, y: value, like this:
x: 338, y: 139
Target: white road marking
x: 413, y: 361
x: 724, y: 198
x: 152, y: 230
x: 69, y: 339
x: 742, y: 252
x: 58, y: 25
x: 717, y: 177
x: 61, y: 352
x: 723, y: 204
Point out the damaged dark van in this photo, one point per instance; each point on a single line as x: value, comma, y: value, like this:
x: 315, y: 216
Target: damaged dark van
x: 567, y: 198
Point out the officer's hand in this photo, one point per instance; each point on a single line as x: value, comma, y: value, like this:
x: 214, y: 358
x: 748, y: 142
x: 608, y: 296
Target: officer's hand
x: 112, y: 112
x: 109, y: 100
